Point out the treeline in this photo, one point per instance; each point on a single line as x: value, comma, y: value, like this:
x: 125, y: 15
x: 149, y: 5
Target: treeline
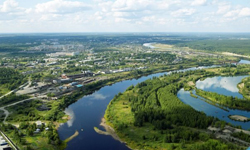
x: 12, y: 98
x: 216, y: 45
x: 18, y: 135
x: 236, y: 70
x: 245, y: 87
x: 158, y: 104
x: 228, y: 101
x: 10, y: 78
x: 29, y: 111
x: 241, y: 135
x: 155, y: 107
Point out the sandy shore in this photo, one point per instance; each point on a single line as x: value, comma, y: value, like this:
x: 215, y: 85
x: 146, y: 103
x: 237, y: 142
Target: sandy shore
x: 109, y: 130
x: 238, y: 118
x: 72, y: 136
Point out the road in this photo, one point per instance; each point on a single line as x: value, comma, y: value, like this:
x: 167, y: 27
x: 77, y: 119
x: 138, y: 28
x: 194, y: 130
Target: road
x: 15, y: 89
x: 6, y: 112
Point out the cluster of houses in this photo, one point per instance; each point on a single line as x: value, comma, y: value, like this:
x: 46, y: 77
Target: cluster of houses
x: 120, y: 70
x: 39, y: 126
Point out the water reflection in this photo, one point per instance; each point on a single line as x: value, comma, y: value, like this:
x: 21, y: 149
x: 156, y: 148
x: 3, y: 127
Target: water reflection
x: 98, y: 96
x: 71, y: 113
x: 244, y: 62
x: 211, y: 110
x: 221, y: 85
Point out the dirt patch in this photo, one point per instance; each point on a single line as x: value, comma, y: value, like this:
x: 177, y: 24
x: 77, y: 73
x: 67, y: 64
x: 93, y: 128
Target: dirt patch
x: 191, y: 83
x: 241, y: 86
x: 233, y: 54
x: 238, y: 118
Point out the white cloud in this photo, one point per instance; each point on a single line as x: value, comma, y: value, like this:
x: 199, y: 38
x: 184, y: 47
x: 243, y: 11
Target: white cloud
x: 9, y: 6
x: 98, y: 96
x: 183, y: 12
x: 245, y: 12
x: 124, y: 15
x: 127, y: 10
x: 223, y: 9
x: 199, y: 2
x: 233, y: 13
x: 61, y: 6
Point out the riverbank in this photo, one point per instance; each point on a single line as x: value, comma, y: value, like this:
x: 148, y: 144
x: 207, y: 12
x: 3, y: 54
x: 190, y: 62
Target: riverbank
x: 244, y: 89
x: 239, y: 118
x: 138, y: 129
x: 108, y: 130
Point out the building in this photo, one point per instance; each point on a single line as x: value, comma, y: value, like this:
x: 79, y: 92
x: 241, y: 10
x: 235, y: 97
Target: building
x: 37, y: 131
x: 66, y: 80
x: 39, y: 124
x: 73, y: 83
x: 62, y: 54
x: 64, y: 76
x: 79, y: 86
x: 3, y: 142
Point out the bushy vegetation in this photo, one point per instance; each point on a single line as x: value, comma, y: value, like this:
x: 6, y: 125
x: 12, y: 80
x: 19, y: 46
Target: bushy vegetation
x: 244, y: 87
x: 12, y: 98
x: 28, y: 111
x: 45, y: 139
x: 150, y: 116
x: 10, y: 79
x: 241, y: 135
x: 217, y: 45
x: 228, y: 101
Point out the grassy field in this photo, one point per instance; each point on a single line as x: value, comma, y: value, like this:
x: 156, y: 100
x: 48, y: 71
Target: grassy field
x: 3, y: 90
x: 39, y: 141
x: 120, y: 110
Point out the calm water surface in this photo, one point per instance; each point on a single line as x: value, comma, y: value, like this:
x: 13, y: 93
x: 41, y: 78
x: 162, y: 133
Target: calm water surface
x: 222, y: 85
x: 87, y: 113
x: 244, y: 62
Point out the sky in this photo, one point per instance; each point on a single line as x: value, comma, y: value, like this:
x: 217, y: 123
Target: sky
x: 38, y: 16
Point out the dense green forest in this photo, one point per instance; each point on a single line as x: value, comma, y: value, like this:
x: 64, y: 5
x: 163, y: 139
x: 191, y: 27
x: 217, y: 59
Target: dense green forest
x: 244, y: 88
x: 12, y: 98
x: 150, y: 116
x: 219, y: 45
x: 10, y: 78
x: 228, y: 101
x: 241, y: 135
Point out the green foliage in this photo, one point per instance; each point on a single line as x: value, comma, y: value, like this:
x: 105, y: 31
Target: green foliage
x: 241, y: 135
x: 228, y: 101
x: 216, y: 45
x: 12, y: 98
x: 245, y: 89
x: 155, y: 108
x: 10, y: 78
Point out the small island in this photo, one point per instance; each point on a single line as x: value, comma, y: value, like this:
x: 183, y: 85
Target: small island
x: 239, y: 118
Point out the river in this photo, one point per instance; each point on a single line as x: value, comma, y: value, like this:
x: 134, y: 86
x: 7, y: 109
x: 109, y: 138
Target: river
x: 87, y: 112
x: 221, y: 85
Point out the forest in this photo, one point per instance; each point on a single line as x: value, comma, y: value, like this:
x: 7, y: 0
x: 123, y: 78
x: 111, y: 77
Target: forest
x: 244, y: 87
x: 12, y: 98
x: 227, y: 101
x: 157, y: 119
x: 10, y: 79
x: 219, y: 45
x: 22, y: 136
